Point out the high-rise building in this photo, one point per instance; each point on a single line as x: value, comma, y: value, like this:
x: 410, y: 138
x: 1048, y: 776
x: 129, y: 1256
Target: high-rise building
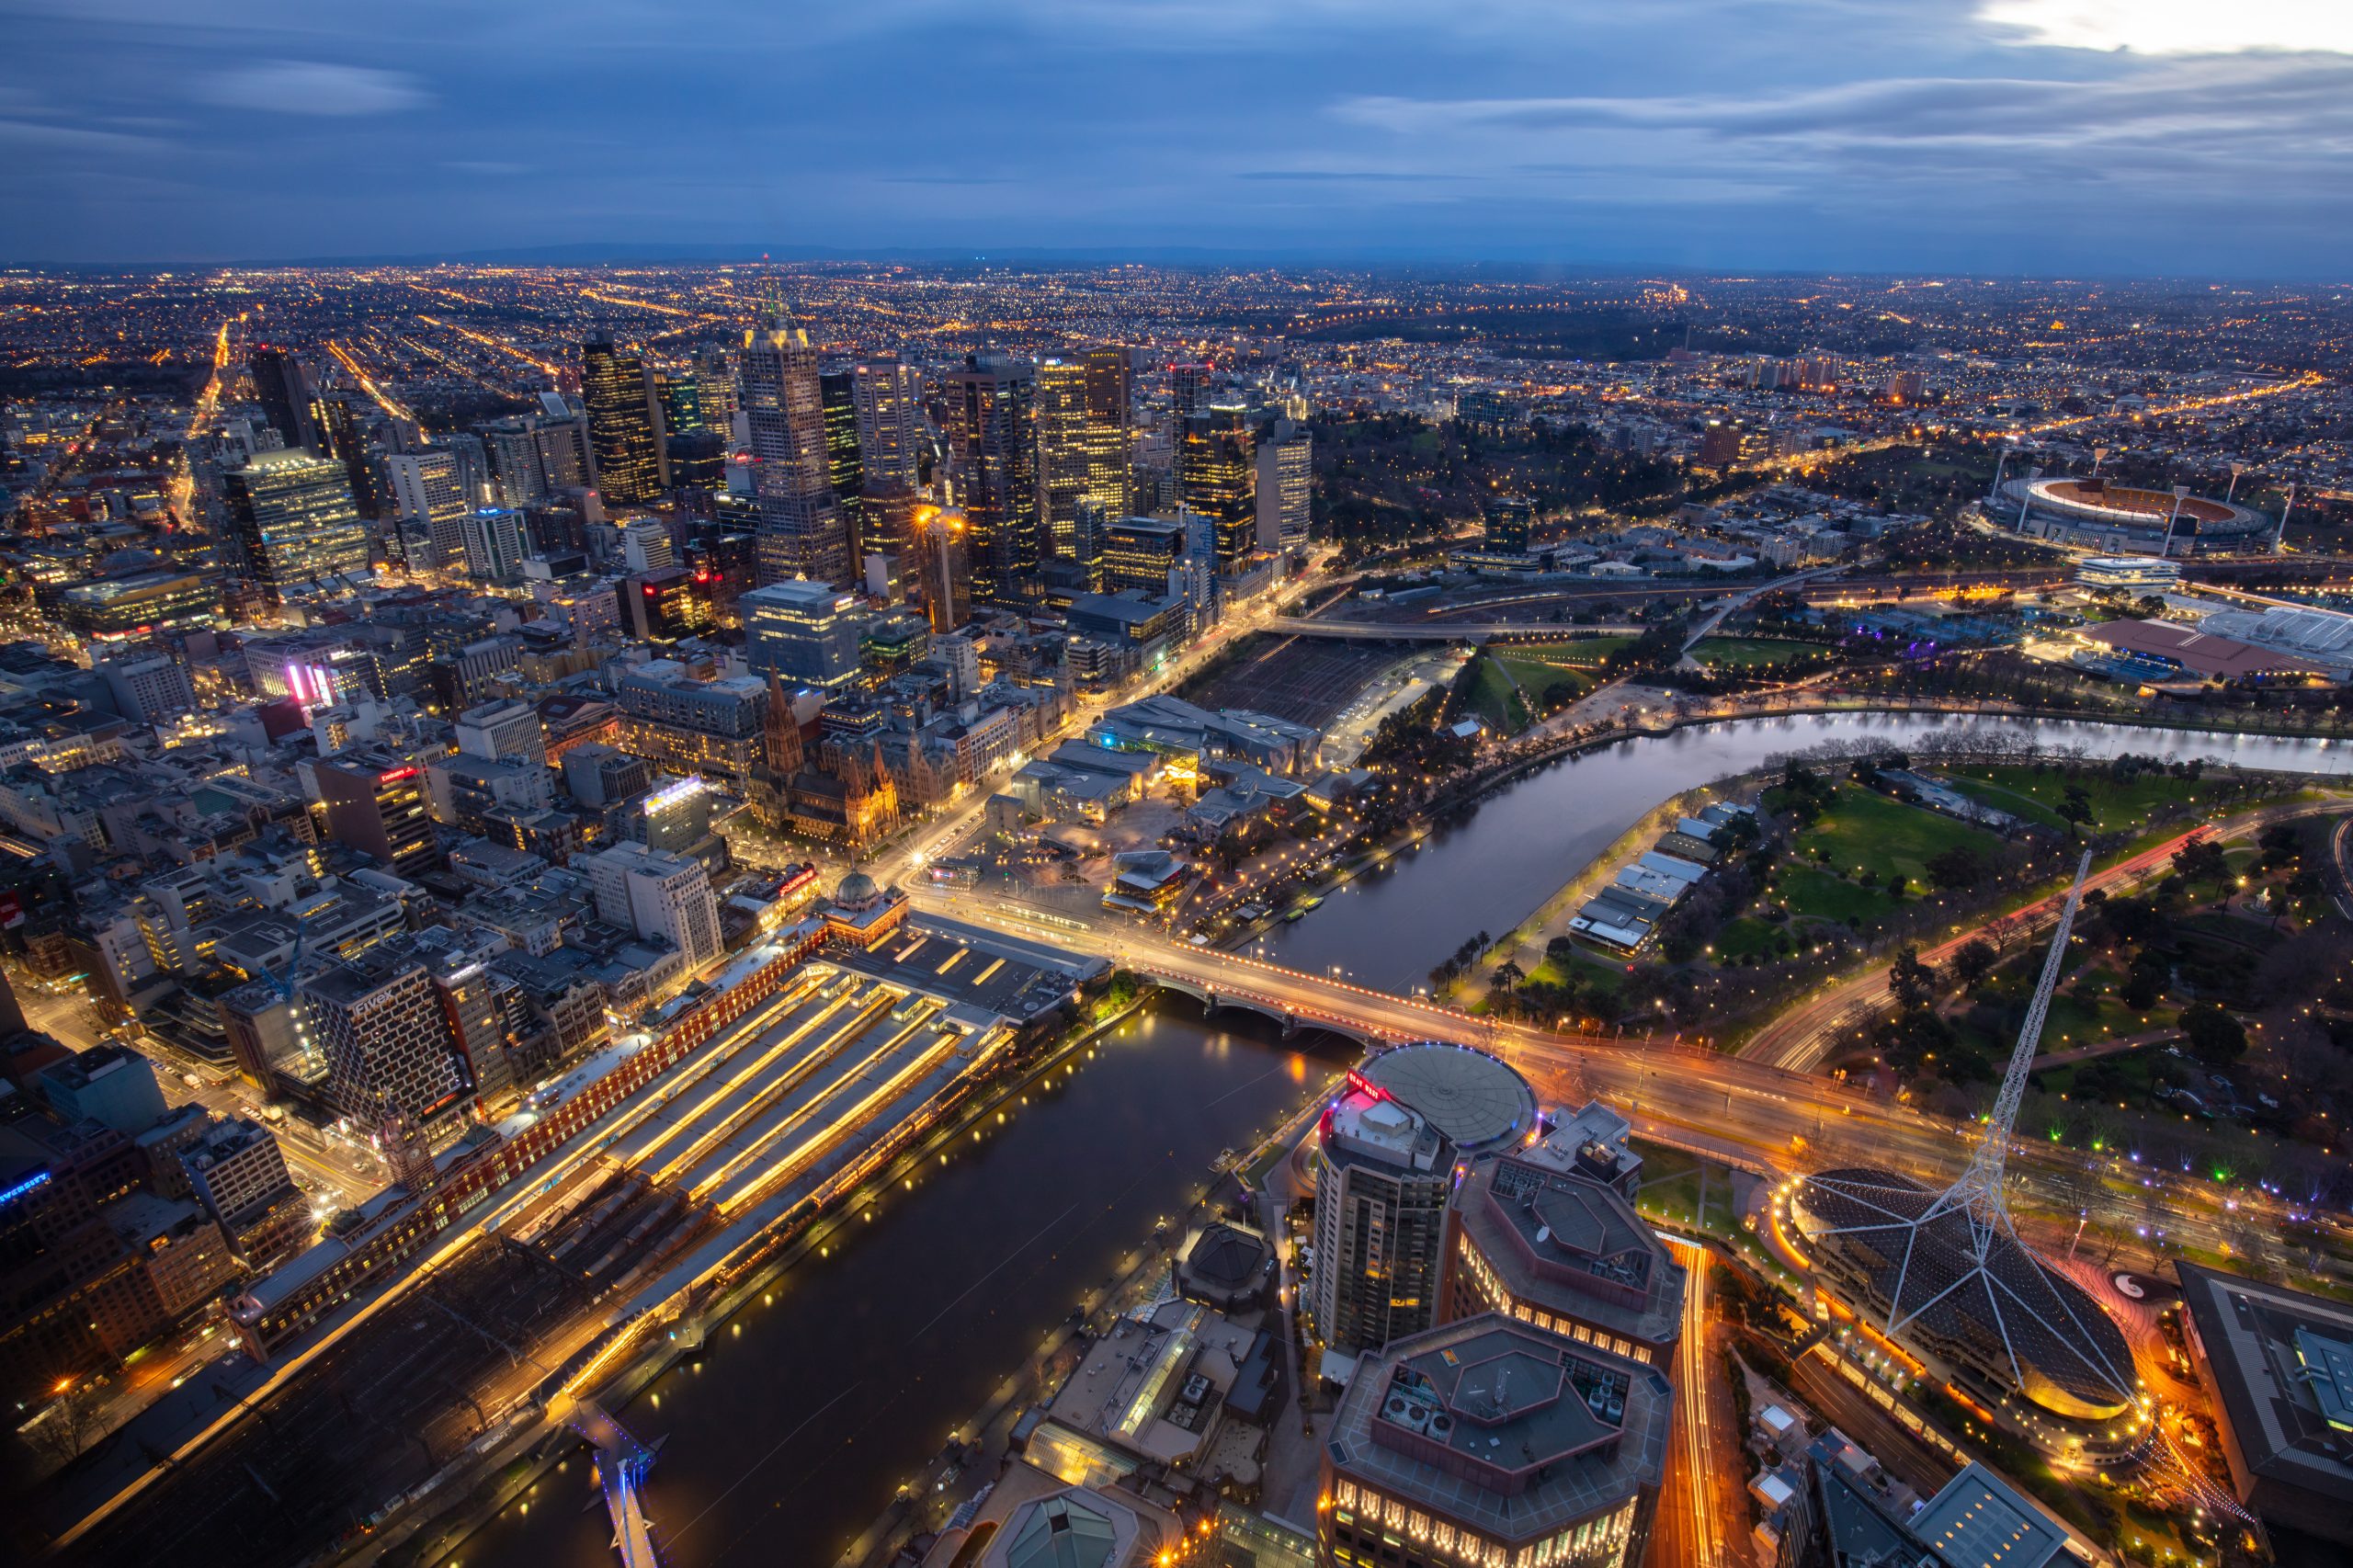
x: 294, y: 523
x: 567, y: 456
x: 506, y: 731
x: 624, y: 424
x: 1189, y: 387
x: 806, y: 633
x: 1493, y: 1441
x: 1381, y: 1195
x: 715, y: 387
x: 946, y: 548
x: 386, y: 1041
x: 343, y: 436
x: 428, y: 495
x: 801, y: 526
x: 1141, y: 553
x: 717, y: 727
x: 679, y: 393
x: 375, y: 802
x: 845, y: 471
x: 112, y: 1084
x: 1286, y: 488
x: 1217, y: 477
x: 656, y: 893
x: 1510, y: 520
x: 516, y: 472
x: 992, y: 461
x: 890, y: 424
x: 285, y: 398
x: 496, y: 543
x: 1084, y: 436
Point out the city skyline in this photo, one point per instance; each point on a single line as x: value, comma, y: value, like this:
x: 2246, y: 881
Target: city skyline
x: 2008, y: 137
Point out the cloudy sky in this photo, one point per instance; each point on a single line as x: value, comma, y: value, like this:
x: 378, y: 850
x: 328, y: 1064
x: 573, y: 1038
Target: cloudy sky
x: 2004, y: 136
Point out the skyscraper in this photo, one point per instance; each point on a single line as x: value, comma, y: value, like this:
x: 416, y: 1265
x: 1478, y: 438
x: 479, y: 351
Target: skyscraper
x: 386, y: 1041
x: 715, y: 384
x: 890, y: 424
x: 516, y: 471
x: 1380, y: 1199
x: 807, y: 632
x: 845, y: 471
x: 800, y: 530
x: 376, y: 803
x: 1217, y: 476
x: 992, y: 461
x: 293, y: 521
x: 1082, y: 446
x: 344, y: 439
x: 946, y: 547
x: 277, y: 383
x: 1286, y: 488
x: 428, y: 495
x: 624, y: 422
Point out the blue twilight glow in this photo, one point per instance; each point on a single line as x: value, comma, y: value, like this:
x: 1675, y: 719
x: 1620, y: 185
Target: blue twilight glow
x: 2041, y: 136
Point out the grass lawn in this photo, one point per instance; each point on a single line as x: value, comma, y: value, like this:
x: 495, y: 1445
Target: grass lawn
x: 1809, y: 892
x: 1747, y: 938
x: 1750, y: 653
x: 1539, y: 676
x: 1882, y: 836
x: 1496, y: 700
x: 1584, y: 653
x: 2032, y: 793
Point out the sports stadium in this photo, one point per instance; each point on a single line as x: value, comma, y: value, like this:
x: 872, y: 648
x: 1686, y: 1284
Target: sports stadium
x: 2010, y: 1332
x: 2093, y: 514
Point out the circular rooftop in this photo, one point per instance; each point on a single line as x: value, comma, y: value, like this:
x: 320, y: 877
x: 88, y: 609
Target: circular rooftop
x: 1478, y: 1102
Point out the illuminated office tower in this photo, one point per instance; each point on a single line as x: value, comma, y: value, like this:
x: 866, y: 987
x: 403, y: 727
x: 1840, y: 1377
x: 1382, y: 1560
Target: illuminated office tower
x: 801, y: 533
x: 890, y: 424
x: 715, y: 384
x: 428, y: 495
x: 946, y: 548
x: 680, y: 396
x: 844, y: 471
x: 376, y: 803
x: 279, y: 386
x: 1217, y: 477
x: 386, y: 1041
x: 1083, y: 442
x: 624, y: 422
x: 656, y: 893
x: 494, y: 544
x: 1510, y: 520
x: 343, y: 436
x: 806, y: 633
x: 992, y: 463
x: 1286, y: 488
x: 293, y: 519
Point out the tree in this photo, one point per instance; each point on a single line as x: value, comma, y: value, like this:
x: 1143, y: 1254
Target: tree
x: 1896, y: 882
x: 1973, y: 963
x: 2075, y: 810
x: 1956, y: 867
x: 2281, y: 845
x: 2216, y: 1038
x: 1507, y: 974
x: 1910, y: 982
x: 2200, y: 860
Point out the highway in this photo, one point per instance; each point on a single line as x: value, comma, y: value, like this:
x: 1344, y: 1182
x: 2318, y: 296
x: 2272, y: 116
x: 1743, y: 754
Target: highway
x: 1745, y: 1112
x: 1703, y: 1519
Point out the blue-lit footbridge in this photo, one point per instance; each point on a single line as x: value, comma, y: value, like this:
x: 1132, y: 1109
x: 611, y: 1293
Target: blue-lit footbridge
x: 621, y: 1464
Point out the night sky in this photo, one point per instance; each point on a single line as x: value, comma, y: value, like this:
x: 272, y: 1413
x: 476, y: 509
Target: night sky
x: 2075, y: 137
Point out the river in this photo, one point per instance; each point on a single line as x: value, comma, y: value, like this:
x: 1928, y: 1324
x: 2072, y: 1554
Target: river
x: 790, y: 1433
x: 1495, y: 868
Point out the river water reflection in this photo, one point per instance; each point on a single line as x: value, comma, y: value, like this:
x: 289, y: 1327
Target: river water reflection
x: 1491, y: 870
x: 802, y: 1418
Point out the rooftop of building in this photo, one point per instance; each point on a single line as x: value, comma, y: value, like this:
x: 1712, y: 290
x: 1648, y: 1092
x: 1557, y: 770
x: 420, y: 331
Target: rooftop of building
x: 1980, y: 1520
x: 2282, y: 1365
x: 1476, y: 1100
x: 1504, y: 1427
x: 1563, y: 1239
x: 968, y: 966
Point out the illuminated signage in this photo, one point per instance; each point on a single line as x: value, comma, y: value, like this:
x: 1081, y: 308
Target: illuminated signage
x: 38, y: 1180
x: 669, y: 795
x: 396, y: 775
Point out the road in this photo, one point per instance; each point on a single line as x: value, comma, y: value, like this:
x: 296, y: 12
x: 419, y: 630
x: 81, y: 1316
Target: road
x: 1702, y: 1517
x: 1803, y: 1034
x: 1753, y: 1113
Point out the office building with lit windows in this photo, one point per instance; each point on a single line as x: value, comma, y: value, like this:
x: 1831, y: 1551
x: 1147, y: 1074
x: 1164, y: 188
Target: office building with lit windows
x: 1286, y: 488
x: 1217, y: 477
x: 624, y: 424
x: 693, y: 726
x: 991, y: 457
x: 845, y: 470
x: 1563, y: 1251
x: 139, y: 605
x: 1085, y: 435
x: 429, y: 498
x: 1492, y: 1443
x: 292, y: 521
x: 1140, y: 553
x: 800, y: 530
x: 387, y: 1044
x: 890, y: 434
x: 806, y: 633
x: 375, y: 802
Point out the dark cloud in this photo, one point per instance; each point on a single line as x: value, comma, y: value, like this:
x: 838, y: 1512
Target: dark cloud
x: 1783, y: 133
